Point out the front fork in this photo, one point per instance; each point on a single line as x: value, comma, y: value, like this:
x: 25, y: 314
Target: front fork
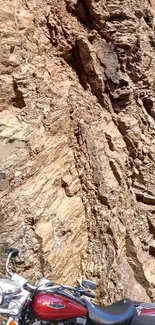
x: 13, y: 321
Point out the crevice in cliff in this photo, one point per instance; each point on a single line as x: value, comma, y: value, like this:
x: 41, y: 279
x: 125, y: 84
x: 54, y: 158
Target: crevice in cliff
x: 44, y: 265
x: 110, y: 143
x: 148, y: 103
x: 148, y: 17
x: 75, y: 63
x: 80, y: 152
x: 119, y: 103
x: 81, y: 12
x: 103, y: 200
x: 18, y: 100
x: 87, y: 81
x: 118, y: 17
x: 54, y: 42
x: 115, y: 172
x: 145, y: 198
x: 152, y: 251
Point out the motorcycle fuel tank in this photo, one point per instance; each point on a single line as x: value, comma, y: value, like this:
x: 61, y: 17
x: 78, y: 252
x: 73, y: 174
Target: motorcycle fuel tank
x: 50, y: 306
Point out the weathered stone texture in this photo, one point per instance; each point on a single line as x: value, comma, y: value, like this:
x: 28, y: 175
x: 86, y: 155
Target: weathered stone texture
x: 77, y: 148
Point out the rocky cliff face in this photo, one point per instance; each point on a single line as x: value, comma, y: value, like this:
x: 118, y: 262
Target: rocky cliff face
x: 77, y: 147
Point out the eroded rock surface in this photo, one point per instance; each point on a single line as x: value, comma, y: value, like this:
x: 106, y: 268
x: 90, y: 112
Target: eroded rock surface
x: 77, y: 148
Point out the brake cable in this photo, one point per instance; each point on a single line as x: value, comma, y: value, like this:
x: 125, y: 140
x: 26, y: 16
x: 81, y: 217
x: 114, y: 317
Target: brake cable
x: 14, y: 265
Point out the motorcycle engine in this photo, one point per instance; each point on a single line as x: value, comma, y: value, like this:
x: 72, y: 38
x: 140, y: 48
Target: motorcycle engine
x: 77, y: 321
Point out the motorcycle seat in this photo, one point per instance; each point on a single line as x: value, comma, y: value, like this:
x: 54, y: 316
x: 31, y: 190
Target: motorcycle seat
x: 143, y: 320
x: 121, y: 312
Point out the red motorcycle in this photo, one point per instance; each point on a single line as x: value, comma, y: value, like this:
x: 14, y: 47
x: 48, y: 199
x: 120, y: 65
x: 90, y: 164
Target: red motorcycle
x: 54, y: 304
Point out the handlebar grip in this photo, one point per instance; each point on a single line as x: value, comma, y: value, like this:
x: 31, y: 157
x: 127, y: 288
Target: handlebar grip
x: 14, y: 251
x: 87, y: 294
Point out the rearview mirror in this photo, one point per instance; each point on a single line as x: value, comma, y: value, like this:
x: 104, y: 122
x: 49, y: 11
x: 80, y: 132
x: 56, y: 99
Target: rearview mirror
x: 89, y: 284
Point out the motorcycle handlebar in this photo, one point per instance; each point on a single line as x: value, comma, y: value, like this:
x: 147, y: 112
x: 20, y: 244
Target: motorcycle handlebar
x: 87, y: 294
x: 30, y: 286
x: 68, y: 288
x: 81, y: 291
x: 7, y: 264
x: 14, y: 252
x: 11, y: 253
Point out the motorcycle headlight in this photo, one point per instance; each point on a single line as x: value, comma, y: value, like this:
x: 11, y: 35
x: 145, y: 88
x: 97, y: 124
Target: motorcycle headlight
x: 1, y: 296
x: 14, y: 307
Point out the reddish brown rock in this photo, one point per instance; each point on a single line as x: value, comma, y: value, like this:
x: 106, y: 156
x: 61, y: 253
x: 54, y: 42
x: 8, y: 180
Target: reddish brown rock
x: 77, y: 142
